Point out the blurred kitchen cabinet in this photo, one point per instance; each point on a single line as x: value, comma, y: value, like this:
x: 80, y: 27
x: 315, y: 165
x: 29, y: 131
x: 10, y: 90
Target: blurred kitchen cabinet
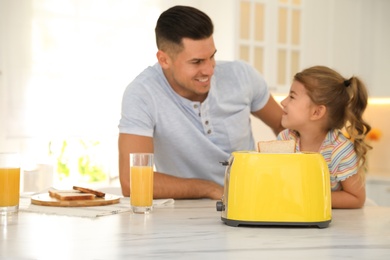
x: 269, y: 37
x: 281, y: 37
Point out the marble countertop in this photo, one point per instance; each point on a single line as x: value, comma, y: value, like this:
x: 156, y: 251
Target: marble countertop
x: 192, y: 229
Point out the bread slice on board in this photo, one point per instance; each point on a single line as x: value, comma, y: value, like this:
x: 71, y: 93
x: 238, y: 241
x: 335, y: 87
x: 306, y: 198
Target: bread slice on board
x: 86, y: 190
x: 71, y: 195
x: 276, y: 146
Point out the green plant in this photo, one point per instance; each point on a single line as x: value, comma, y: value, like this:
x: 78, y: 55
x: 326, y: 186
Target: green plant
x: 87, y: 164
x: 62, y: 161
x: 84, y: 154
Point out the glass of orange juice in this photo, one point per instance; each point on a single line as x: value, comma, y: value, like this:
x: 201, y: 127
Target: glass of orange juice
x: 9, y: 183
x: 141, y: 182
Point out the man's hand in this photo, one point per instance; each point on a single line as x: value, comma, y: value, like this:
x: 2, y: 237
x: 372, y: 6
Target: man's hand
x: 165, y: 185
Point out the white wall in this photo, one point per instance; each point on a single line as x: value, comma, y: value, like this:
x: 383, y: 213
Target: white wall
x: 378, y: 158
x: 351, y: 36
x: 222, y: 12
x: 14, y: 70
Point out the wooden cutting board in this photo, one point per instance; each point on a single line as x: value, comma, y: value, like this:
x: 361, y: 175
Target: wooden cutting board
x: 44, y: 199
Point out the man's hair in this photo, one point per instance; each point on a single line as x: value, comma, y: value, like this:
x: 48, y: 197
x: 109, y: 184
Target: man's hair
x: 180, y: 22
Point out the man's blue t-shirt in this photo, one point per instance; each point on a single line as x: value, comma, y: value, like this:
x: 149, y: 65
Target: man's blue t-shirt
x: 192, y: 138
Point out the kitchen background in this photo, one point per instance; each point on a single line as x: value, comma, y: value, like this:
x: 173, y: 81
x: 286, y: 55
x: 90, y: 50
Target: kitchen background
x: 65, y: 64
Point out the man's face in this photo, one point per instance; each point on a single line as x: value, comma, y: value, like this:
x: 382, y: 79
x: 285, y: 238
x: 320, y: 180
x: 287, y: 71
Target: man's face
x: 189, y: 72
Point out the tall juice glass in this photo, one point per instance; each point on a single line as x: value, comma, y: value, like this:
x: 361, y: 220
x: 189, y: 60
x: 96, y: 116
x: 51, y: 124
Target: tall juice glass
x: 9, y: 183
x: 141, y: 182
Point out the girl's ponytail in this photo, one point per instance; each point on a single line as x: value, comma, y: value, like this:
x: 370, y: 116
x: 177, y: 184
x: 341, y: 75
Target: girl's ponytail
x: 356, y: 126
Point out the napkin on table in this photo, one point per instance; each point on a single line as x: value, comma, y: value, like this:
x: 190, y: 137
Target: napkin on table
x: 91, y: 212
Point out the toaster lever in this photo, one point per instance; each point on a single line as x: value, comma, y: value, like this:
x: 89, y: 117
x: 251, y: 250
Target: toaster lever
x: 220, y: 206
x: 224, y: 163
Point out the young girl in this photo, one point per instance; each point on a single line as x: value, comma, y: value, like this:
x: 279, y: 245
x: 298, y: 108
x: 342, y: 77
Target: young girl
x: 320, y: 104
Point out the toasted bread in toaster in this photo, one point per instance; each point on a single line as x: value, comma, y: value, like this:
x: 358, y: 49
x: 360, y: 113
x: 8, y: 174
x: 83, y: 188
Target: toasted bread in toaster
x: 276, y: 146
x: 86, y: 190
x: 70, y: 195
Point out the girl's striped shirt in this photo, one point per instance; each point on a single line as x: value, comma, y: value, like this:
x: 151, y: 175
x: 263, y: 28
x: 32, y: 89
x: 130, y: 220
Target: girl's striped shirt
x: 337, y: 151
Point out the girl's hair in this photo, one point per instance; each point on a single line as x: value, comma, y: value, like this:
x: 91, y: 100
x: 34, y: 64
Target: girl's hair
x: 345, y: 101
x: 180, y: 22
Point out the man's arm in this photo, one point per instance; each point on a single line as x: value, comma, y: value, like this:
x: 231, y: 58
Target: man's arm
x: 165, y: 186
x: 271, y: 115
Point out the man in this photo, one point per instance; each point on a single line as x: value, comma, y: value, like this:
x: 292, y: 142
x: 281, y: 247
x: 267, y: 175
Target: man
x: 191, y: 111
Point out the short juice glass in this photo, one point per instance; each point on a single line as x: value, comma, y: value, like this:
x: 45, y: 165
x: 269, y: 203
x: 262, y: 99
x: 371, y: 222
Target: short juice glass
x: 141, y: 182
x: 9, y: 183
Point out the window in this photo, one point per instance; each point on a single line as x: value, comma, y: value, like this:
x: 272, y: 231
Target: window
x: 65, y: 65
x: 270, y: 39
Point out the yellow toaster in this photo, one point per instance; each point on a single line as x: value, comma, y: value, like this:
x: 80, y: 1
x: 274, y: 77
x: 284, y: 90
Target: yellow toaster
x: 276, y: 189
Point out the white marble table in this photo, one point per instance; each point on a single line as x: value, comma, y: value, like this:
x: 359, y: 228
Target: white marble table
x: 192, y: 229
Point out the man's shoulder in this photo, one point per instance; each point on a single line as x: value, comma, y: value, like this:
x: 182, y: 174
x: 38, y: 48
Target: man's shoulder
x: 236, y: 69
x: 150, y: 78
x: 151, y: 72
x: 232, y: 64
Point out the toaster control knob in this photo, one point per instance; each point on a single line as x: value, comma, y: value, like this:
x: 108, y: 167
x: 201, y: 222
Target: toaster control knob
x: 220, y: 206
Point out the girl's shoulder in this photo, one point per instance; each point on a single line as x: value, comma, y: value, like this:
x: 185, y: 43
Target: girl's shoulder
x: 337, y: 138
x: 288, y: 134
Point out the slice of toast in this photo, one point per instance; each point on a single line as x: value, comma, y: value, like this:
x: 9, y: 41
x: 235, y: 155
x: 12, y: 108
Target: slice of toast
x: 71, y: 195
x: 86, y: 190
x: 276, y: 146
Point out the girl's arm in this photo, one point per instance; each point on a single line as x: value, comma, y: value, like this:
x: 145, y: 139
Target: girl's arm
x: 353, y: 194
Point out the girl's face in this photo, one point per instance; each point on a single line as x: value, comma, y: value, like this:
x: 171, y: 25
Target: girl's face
x: 297, y: 108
